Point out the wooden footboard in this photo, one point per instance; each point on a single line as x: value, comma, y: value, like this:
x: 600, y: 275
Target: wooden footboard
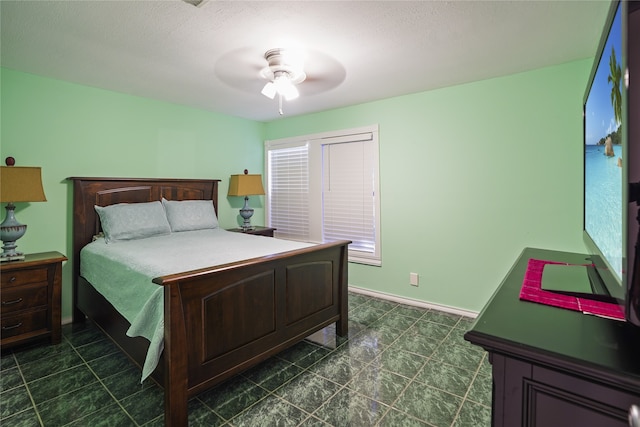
x: 234, y: 316
x: 221, y: 320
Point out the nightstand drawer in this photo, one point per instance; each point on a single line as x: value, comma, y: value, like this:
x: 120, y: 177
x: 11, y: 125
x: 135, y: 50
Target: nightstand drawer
x: 25, y: 323
x: 23, y: 277
x: 23, y: 298
x: 30, y: 299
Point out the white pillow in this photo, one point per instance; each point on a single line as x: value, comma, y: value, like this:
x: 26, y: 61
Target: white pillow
x: 128, y: 221
x: 187, y: 215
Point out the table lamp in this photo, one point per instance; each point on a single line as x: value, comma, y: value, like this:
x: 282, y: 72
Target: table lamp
x: 17, y: 184
x: 246, y: 185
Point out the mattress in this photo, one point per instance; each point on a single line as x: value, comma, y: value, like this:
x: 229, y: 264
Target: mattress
x: 122, y: 272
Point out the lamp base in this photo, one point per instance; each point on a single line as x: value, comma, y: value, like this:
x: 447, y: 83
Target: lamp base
x: 19, y: 256
x: 246, y: 213
x: 10, y: 231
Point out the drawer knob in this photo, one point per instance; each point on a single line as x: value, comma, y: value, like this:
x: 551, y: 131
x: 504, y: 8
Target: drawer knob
x: 12, y: 279
x: 15, y: 301
x: 17, y: 325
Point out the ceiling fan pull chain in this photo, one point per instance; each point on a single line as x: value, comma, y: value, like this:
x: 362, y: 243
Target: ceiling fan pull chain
x: 280, y: 105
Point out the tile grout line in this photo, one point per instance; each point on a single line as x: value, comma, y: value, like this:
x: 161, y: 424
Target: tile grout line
x: 384, y: 331
x: 391, y: 406
x: 413, y: 379
x: 99, y: 380
x: 24, y: 384
x: 466, y: 395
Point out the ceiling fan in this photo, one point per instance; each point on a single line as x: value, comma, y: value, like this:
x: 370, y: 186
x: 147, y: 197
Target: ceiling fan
x: 285, y: 73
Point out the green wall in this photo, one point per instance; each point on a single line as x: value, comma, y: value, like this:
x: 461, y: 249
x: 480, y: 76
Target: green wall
x: 72, y: 130
x: 470, y: 175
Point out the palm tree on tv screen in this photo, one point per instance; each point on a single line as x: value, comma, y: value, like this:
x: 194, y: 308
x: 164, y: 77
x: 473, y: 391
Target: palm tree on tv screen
x: 615, y: 78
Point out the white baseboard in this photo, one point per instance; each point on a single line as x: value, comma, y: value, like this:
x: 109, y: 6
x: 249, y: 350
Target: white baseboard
x: 413, y: 302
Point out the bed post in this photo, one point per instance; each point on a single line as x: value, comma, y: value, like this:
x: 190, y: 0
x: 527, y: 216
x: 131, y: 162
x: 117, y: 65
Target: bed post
x: 80, y: 218
x: 342, y: 325
x: 175, y: 343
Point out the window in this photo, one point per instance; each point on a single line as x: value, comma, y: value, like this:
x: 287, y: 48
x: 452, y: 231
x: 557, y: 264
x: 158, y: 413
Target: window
x: 323, y: 188
x: 288, y: 191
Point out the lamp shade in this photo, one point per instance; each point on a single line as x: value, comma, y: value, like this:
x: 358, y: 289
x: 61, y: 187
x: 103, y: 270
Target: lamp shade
x: 21, y: 184
x: 245, y: 185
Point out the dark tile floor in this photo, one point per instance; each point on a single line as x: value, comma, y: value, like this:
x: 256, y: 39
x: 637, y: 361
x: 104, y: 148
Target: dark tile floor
x: 400, y: 366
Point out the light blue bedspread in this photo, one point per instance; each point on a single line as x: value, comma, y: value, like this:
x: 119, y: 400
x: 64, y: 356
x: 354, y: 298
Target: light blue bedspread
x: 122, y: 272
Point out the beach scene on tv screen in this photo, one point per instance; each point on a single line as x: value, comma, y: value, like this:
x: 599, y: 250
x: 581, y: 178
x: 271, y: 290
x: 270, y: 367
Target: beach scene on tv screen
x: 603, y: 151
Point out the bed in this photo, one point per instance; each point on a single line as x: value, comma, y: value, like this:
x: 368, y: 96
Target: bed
x: 210, y: 328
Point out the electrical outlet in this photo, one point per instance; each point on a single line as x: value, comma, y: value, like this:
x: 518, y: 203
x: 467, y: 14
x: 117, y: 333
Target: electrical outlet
x: 413, y: 279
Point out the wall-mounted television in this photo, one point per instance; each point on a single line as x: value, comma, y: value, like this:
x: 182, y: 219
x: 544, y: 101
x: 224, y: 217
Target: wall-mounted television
x: 632, y: 300
x: 612, y: 163
x: 605, y: 146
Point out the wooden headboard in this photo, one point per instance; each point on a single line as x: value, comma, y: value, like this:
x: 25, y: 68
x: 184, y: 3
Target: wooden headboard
x: 88, y: 192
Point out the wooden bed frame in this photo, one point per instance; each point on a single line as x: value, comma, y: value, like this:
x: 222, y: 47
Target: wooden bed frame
x: 220, y: 320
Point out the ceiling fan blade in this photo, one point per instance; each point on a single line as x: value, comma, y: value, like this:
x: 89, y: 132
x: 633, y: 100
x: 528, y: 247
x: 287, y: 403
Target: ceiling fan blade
x: 240, y: 69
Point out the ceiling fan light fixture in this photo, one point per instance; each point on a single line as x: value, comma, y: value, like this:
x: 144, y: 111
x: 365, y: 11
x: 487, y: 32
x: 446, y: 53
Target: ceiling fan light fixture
x: 284, y: 61
x: 291, y: 93
x: 283, y: 74
x: 285, y: 87
x: 269, y: 90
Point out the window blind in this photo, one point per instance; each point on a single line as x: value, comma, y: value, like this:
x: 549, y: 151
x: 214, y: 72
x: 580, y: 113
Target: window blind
x: 348, y: 194
x: 288, y: 191
x: 325, y: 187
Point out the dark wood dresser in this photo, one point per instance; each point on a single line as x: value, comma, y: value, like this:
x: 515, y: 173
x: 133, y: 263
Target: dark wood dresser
x: 30, y: 299
x: 556, y: 367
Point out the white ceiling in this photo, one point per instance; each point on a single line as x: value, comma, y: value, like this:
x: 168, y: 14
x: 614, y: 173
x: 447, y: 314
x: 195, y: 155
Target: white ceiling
x: 210, y: 56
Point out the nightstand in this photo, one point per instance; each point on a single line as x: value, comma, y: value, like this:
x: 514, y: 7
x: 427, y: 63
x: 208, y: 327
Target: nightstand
x: 30, y: 299
x: 258, y: 231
